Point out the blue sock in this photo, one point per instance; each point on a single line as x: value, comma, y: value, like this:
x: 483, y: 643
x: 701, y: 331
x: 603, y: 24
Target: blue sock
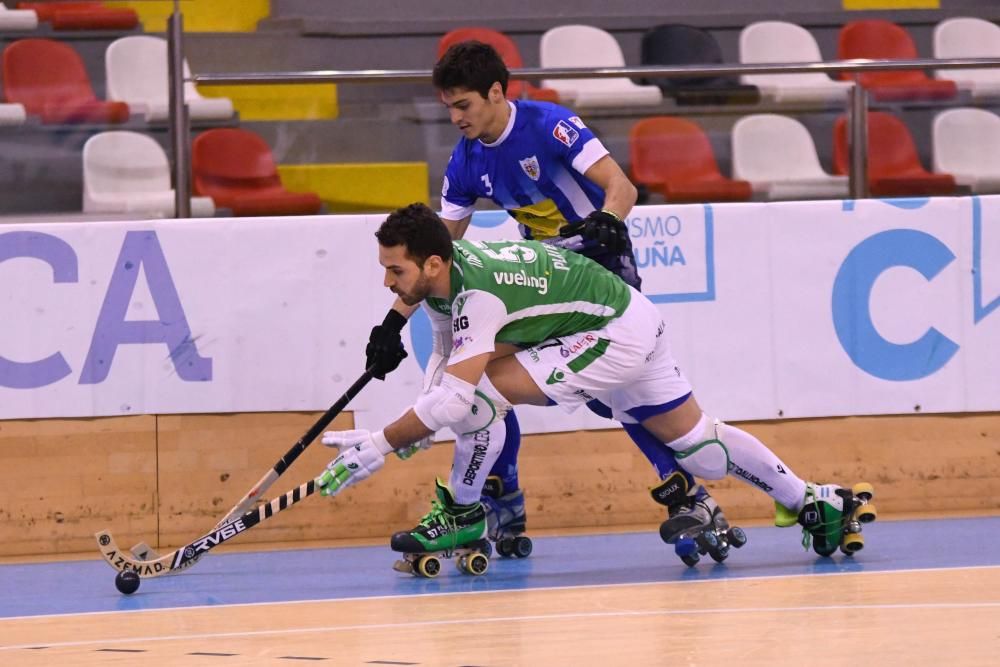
x: 505, y: 466
x: 661, y: 456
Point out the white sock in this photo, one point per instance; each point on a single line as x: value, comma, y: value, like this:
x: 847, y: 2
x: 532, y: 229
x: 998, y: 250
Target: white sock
x: 758, y: 466
x: 475, y: 455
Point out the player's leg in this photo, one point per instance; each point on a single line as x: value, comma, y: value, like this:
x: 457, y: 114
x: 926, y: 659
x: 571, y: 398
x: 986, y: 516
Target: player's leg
x: 502, y: 496
x: 457, y: 518
x: 712, y: 449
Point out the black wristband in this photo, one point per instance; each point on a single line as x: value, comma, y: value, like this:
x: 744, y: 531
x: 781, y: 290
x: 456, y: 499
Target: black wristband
x: 394, y: 321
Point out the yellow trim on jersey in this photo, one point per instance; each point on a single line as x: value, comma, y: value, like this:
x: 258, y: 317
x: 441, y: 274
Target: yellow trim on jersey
x: 544, y: 219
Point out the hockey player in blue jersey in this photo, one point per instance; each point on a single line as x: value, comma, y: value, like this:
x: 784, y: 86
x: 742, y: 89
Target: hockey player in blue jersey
x: 540, y: 162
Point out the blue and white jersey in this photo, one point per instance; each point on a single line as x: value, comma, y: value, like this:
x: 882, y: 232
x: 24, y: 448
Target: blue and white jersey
x: 534, y: 170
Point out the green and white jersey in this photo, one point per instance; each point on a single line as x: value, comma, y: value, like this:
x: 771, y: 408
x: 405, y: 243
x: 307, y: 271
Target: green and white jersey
x: 523, y: 292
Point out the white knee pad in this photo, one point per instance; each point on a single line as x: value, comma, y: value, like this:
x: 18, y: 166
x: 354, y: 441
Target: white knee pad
x: 701, y: 452
x: 489, y: 405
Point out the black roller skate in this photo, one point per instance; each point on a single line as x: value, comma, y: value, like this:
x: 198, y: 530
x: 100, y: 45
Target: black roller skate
x: 447, y: 530
x: 695, y: 524
x: 506, y: 519
x: 831, y: 517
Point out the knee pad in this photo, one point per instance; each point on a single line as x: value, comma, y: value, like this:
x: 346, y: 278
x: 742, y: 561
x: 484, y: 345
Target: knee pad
x: 488, y: 406
x: 701, y: 452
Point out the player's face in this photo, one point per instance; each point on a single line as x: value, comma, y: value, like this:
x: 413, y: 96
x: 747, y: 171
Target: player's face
x: 404, y: 277
x: 474, y: 116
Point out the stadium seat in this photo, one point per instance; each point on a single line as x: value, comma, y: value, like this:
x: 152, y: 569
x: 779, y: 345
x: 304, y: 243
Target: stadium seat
x: 894, y: 168
x: 136, y: 69
x: 12, y: 114
x: 777, y: 155
x: 782, y: 42
x: 673, y: 157
x: 17, y: 19
x: 586, y: 46
x: 83, y: 15
x: 128, y: 172
x: 883, y: 40
x: 967, y: 145
x: 49, y: 79
x: 235, y: 168
x: 676, y: 44
x: 508, y: 51
x: 969, y: 38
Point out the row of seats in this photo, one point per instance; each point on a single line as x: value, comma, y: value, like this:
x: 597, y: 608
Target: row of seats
x: 47, y: 78
x: 127, y: 172
x: 572, y: 46
x: 67, y: 16
x: 774, y: 157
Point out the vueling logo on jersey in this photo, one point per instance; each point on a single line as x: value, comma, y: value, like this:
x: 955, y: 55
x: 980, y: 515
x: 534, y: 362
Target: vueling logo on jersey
x: 522, y: 279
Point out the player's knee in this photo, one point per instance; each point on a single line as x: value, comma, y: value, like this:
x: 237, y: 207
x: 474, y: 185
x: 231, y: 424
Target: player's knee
x: 489, y: 405
x: 701, y: 452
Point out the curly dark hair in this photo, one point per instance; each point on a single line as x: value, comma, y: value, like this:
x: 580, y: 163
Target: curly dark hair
x: 471, y: 65
x: 419, y: 230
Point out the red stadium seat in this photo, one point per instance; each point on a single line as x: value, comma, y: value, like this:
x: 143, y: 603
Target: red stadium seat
x: 884, y: 40
x: 894, y: 168
x: 83, y: 15
x: 673, y: 156
x: 508, y: 52
x: 49, y: 79
x: 235, y: 168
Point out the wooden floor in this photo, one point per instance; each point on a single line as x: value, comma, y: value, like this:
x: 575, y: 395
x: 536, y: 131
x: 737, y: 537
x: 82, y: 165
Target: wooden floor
x: 815, y: 614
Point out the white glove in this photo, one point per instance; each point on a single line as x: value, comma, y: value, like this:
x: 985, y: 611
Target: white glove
x: 361, y: 454
x: 406, y: 452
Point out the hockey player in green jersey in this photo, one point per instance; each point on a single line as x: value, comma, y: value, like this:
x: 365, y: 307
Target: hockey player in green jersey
x: 533, y: 324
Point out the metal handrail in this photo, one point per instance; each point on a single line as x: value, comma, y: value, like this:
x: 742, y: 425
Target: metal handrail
x: 647, y: 71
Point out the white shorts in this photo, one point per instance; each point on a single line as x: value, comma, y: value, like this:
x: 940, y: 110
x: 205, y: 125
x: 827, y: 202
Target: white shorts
x: 627, y: 365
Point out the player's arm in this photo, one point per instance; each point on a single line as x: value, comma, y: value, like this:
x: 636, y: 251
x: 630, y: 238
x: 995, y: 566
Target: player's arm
x: 457, y: 228
x: 619, y: 193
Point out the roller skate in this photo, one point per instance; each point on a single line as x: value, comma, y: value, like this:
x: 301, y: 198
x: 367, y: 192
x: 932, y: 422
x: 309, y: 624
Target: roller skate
x: 831, y: 517
x: 447, y: 530
x: 505, y: 519
x: 695, y: 524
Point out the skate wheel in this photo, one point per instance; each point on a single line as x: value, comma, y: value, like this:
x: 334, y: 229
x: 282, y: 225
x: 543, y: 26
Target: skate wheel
x: 475, y: 564
x: 691, y: 559
x: 866, y: 513
x: 853, y: 542
x: 737, y: 537
x: 505, y: 547
x: 707, y: 541
x: 428, y: 566
x: 863, y: 490
x: 522, y: 546
x: 719, y: 555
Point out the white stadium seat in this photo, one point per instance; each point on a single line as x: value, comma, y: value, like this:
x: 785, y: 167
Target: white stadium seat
x: 137, y: 74
x: 12, y: 114
x: 782, y: 42
x: 776, y: 154
x: 17, y: 19
x: 969, y: 38
x: 587, y: 46
x: 966, y: 145
x: 128, y: 172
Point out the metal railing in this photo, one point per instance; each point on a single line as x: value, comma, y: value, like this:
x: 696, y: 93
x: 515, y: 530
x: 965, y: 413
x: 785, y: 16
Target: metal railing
x: 857, y: 108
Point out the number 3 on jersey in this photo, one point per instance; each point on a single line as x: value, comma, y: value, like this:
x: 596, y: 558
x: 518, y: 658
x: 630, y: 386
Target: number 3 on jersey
x: 485, y: 178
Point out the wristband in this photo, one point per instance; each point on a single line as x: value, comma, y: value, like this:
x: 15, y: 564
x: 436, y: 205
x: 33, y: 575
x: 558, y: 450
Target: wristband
x: 394, y: 321
x: 609, y: 212
x: 381, y: 444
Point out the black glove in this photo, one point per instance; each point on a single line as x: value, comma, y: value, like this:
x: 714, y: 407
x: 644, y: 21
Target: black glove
x: 385, y: 349
x: 603, y: 227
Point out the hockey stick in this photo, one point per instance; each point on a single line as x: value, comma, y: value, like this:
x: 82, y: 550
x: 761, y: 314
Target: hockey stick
x: 190, y: 553
x: 265, y: 482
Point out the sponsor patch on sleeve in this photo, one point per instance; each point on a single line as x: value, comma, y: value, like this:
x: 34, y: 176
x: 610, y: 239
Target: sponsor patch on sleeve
x: 565, y: 133
x: 576, y: 121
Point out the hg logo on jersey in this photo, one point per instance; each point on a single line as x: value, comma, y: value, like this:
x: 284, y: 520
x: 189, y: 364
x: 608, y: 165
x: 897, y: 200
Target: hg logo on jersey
x: 565, y: 133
